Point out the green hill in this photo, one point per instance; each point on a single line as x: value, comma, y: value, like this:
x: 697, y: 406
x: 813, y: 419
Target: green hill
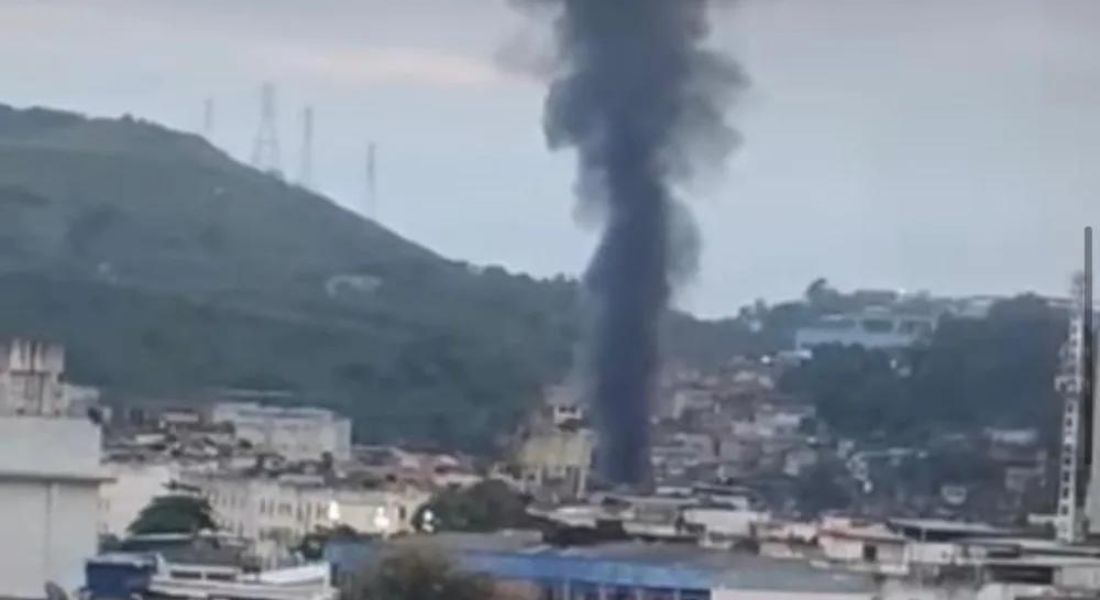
x: 167, y: 268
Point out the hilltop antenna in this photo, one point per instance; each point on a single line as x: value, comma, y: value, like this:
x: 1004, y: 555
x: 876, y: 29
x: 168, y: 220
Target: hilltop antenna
x: 208, y: 118
x: 1075, y: 382
x: 265, y: 149
x: 305, y: 175
x: 371, y: 198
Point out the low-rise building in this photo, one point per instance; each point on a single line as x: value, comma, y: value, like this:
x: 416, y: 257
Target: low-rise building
x: 295, y: 433
x: 872, y: 328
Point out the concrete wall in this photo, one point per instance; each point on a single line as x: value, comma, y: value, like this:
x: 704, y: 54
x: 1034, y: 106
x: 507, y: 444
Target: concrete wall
x: 49, y: 479
x: 49, y: 445
x: 787, y: 595
x: 48, y: 530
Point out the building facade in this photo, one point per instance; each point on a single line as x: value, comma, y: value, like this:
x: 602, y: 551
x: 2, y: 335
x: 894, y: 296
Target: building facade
x: 49, y: 494
x: 556, y: 462
x: 873, y: 329
x: 287, y: 508
x: 30, y: 378
x: 295, y: 433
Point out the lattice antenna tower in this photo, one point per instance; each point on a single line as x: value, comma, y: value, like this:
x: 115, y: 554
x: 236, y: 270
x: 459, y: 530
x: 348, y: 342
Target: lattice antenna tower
x: 305, y: 170
x: 265, y: 149
x: 1074, y: 382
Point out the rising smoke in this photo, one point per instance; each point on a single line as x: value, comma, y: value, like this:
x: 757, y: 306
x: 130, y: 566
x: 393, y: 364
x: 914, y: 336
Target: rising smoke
x: 642, y: 101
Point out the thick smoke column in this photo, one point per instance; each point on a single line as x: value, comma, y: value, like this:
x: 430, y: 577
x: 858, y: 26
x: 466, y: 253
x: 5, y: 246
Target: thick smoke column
x: 642, y: 102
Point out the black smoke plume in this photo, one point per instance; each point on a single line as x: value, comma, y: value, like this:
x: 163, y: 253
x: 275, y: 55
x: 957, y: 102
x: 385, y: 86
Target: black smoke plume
x: 642, y: 101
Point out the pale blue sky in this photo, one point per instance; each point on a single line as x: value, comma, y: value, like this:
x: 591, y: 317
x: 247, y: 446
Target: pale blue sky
x: 950, y: 145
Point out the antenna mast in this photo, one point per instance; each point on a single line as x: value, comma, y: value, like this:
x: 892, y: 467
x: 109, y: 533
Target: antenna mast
x: 265, y: 149
x: 305, y: 175
x: 1074, y: 381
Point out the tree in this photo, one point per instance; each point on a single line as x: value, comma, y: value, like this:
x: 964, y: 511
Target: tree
x: 174, y: 514
x: 485, y: 506
x: 992, y: 371
x: 419, y: 574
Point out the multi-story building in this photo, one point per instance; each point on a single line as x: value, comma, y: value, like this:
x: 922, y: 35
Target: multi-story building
x: 30, y: 378
x: 284, y: 509
x: 295, y: 433
x: 49, y: 491
x: 556, y: 462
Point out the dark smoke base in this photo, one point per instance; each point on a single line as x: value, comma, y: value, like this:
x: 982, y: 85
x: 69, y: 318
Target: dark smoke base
x: 642, y: 102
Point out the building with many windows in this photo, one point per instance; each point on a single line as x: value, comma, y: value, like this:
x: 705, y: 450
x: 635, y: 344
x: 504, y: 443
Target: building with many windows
x: 285, y: 508
x: 30, y: 378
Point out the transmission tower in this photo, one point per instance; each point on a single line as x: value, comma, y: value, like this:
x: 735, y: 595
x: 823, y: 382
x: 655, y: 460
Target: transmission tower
x: 265, y: 149
x: 305, y: 173
x: 1074, y: 382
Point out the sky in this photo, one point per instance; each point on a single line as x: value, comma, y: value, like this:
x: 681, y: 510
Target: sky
x: 942, y: 145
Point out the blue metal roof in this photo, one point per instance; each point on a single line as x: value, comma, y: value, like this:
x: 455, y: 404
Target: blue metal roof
x: 628, y: 566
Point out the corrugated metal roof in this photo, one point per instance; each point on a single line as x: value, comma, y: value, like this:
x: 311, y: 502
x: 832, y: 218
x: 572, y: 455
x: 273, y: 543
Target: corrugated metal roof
x: 625, y: 565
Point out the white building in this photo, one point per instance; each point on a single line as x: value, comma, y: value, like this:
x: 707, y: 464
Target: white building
x: 287, y: 508
x: 30, y: 378
x: 872, y: 328
x: 49, y: 491
x: 134, y: 485
x: 296, y: 433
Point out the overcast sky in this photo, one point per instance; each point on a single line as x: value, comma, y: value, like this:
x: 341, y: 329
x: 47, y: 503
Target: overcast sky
x: 948, y: 145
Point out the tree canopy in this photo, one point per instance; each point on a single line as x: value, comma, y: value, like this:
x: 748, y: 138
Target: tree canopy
x: 992, y: 371
x: 174, y: 514
x: 419, y: 574
x: 485, y: 506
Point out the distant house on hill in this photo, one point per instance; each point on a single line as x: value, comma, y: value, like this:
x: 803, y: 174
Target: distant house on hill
x: 873, y: 328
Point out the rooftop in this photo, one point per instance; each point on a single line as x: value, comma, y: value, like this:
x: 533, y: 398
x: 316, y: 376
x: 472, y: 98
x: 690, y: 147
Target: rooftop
x: 522, y: 557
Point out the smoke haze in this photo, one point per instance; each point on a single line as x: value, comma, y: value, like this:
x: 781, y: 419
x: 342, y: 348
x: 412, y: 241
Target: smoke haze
x: 642, y: 101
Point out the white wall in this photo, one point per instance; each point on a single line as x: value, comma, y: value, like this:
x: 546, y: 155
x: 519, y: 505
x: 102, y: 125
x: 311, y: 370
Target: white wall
x: 263, y: 508
x: 724, y: 521
x: 47, y: 531
x: 59, y: 446
x: 133, y: 488
x: 49, y: 479
x: 786, y: 595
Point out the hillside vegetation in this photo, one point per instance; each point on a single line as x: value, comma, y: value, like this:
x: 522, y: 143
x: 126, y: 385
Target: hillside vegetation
x: 167, y: 269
